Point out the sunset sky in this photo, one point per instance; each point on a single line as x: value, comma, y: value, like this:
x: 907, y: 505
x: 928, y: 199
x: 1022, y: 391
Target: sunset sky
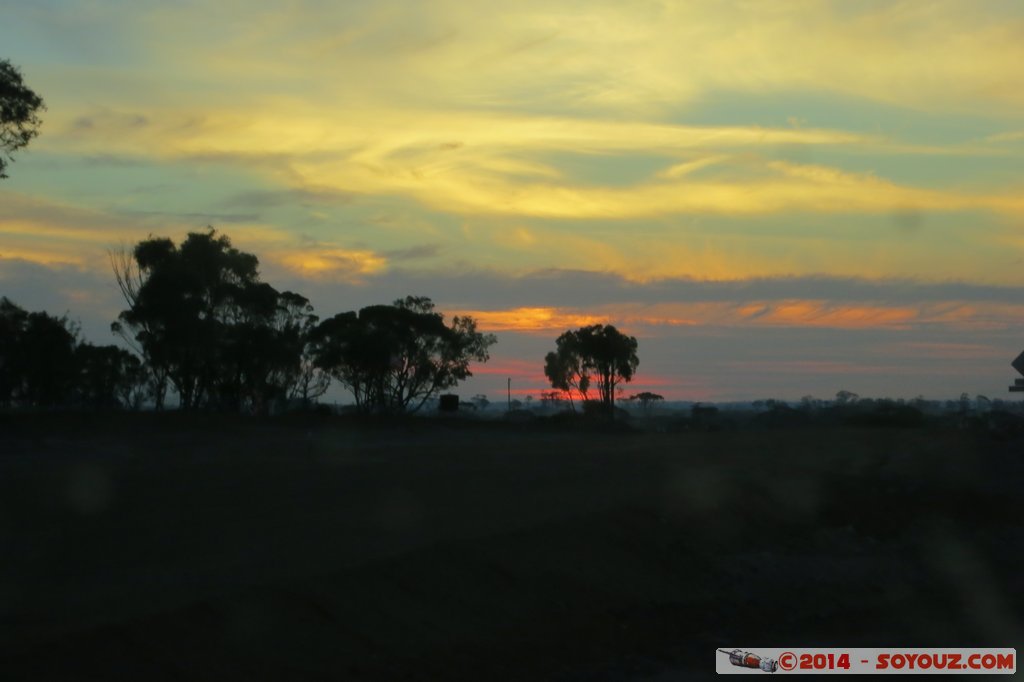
x: 775, y: 198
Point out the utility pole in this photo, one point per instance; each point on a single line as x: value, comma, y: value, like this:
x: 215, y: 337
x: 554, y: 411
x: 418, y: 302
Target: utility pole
x: 510, y: 394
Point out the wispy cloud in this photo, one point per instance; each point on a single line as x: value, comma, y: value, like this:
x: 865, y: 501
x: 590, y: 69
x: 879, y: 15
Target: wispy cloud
x: 642, y: 57
x: 332, y: 263
x: 476, y: 163
x: 794, y: 313
x: 796, y: 172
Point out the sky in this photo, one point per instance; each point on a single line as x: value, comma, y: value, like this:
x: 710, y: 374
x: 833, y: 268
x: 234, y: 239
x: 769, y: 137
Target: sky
x: 777, y: 199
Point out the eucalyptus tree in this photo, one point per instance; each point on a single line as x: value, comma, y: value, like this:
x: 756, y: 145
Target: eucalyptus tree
x: 204, y: 322
x: 19, y: 113
x: 598, y: 354
x: 394, y: 358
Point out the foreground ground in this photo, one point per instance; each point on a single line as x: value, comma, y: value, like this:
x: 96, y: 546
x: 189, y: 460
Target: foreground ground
x: 161, y: 547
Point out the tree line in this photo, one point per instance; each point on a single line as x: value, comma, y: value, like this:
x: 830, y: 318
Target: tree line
x: 44, y: 364
x: 205, y: 328
x: 202, y: 326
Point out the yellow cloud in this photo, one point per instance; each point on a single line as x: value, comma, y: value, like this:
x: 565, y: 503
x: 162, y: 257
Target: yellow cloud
x: 333, y: 264
x: 640, y: 57
x: 688, y: 167
x: 483, y: 163
x: 49, y: 232
x: 791, y: 188
x: 531, y: 319
x: 39, y: 256
x: 403, y: 136
x: 441, y: 104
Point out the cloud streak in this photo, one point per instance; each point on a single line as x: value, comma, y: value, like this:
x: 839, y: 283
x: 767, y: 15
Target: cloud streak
x: 479, y: 163
x: 801, y: 173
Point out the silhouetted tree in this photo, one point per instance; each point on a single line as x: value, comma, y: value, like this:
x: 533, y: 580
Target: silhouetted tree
x: 549, y: 399
x: 311, y: 382
x: 703, y: 415
x: 42, y: 364
x: 48, y: 357
x: 393, y: 358
x: 203, y: 321
x: 346, y: 349
x: 19, y: 118
x: 130, y: 279
x: 598, y: 351
x: 566, y: 370
x: 109, y: 376
x: 12, y: 322
x: 646, y: 399
x: 179, y: 304
x: 263, y: 348
x: 845, y: 397
x: 38, y: 366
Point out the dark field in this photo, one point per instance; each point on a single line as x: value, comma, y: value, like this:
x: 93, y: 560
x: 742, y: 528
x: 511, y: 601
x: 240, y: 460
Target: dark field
x: 167, y: 547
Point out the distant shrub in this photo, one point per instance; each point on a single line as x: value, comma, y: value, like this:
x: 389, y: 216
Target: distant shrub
x: 704, y: 416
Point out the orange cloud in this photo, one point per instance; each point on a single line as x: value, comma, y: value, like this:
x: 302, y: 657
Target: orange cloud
x: 644, y: 319
x: 532, y: 319
x: 822, y: 314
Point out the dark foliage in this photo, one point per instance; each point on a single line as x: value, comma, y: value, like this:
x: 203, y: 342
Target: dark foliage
x: 37, y: 357
x: 206, y: 324
x: 394, y: 358
x: 646, y: 399
x: 109, y: 376
x: 43, y: 364
x: 19, y: 117
x: 598, y: 352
